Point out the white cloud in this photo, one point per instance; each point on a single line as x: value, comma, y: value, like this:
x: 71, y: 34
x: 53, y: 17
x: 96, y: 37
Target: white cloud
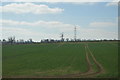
x: 52, y: 30
x: 113, y: 3
x: 47, y: 24
x: 91, y: 33
x: 50, y: 27
x: 103, y: 24
x: 25, y: 34
x: 56, y: 1
x: 29, y: 8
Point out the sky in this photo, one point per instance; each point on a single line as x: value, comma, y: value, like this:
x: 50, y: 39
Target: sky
x: 46, y: 20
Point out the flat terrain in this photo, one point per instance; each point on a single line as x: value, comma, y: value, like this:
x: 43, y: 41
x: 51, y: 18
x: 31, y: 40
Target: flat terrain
x: 83, y: 59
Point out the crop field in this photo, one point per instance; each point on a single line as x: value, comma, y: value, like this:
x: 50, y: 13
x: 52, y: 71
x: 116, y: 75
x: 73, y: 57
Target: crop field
x: 80, y: 59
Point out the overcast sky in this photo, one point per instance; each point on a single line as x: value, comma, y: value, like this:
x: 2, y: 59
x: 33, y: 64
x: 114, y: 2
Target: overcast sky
x: 42, y: 20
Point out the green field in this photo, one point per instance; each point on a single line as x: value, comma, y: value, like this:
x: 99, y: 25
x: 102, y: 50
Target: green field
x: 60, y: 59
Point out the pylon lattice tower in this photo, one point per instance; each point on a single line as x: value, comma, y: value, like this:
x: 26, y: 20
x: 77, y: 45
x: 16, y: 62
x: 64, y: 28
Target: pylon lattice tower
x: 75, y: 32
x: 62, y: 37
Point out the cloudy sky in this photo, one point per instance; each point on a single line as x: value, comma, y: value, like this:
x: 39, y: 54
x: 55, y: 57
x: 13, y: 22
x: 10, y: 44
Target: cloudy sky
x: 42, y: 20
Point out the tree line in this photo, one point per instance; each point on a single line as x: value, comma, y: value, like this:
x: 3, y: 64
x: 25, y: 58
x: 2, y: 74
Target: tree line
x: 12, y: 40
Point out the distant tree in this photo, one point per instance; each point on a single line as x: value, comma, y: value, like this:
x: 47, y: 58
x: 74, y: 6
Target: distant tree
x: 0, y: 41
x: 21, y: 41
x: 11, y: 40
x: 52, y: 40
x: 46, y: 40
x: 72, y: 40
x: 17, y: 41
x: 3, y: 40
x: 41, y: 41
x: 114, y: 39
x: 67, y: 39
x: 30, y: 40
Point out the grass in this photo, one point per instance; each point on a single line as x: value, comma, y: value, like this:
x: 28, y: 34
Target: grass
x: 57, y: 59
x: 43, y: 59
x: 106, y: 53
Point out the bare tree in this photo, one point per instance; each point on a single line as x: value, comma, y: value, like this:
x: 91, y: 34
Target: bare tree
x: 21, y: 41
x: 67, y: 39
x: 30, y: 40
x: 11, y: 40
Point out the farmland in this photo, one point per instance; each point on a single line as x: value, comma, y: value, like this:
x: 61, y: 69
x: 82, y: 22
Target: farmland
x: 82, y: 59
